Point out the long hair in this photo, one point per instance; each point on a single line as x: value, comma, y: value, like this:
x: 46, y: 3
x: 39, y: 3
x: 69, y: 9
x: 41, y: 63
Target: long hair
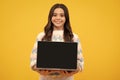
x: 48, y: 29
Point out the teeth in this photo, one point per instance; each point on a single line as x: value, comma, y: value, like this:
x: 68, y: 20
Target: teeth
x: 57, y: 22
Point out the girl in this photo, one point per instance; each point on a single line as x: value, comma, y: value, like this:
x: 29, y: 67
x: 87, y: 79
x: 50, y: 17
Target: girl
x: 58, y: 29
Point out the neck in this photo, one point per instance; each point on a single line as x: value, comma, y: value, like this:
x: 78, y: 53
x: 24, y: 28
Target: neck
x: 58, y: 28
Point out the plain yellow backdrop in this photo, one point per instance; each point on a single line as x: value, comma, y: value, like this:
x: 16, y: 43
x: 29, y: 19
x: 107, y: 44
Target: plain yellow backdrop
x: 97, y: 22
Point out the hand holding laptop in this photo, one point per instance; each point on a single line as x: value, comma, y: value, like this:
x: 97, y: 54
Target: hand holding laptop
x: 57, y: 73
x: 54, y: 72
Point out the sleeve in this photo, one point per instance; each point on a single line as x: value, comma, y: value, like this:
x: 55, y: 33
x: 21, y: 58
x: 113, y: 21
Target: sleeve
x: 33, y: 56
x: 80, y: 59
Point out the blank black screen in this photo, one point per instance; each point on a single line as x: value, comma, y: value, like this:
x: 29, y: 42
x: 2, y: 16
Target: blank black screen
x: 59, y: 55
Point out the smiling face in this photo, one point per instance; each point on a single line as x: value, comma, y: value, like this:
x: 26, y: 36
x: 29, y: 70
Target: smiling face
x: 58, y: 19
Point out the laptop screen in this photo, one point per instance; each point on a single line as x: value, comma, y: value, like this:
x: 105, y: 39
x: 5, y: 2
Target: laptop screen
x: 57, y: 55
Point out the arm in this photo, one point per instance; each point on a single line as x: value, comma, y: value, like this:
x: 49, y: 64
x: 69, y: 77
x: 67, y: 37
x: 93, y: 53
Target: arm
x: 80, y: 60
x: 33, y: 59
x: 33, y: 56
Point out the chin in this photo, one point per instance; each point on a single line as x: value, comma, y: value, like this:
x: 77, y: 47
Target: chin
x: 58, y: 27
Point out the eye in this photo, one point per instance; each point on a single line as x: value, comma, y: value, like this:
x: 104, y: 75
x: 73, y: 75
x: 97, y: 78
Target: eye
x: 54, y: 15
x: 62, y: 15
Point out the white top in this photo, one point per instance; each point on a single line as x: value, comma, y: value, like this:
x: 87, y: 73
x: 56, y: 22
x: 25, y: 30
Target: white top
x: 57, y: 36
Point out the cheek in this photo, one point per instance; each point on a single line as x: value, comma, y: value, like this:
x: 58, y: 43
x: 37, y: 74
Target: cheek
x: 52, y: 19
x: 64, y: 19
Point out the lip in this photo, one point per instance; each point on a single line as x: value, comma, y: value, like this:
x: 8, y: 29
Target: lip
x: 58, y: 22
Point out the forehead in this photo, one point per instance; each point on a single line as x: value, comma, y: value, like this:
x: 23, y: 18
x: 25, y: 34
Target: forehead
x: 58, y: 10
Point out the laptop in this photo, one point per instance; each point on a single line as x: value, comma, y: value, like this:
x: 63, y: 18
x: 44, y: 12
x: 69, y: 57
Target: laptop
x: 57, y: 56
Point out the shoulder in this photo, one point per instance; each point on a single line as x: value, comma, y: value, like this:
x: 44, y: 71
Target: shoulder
x: 40, y: 36
x: 75, y: 37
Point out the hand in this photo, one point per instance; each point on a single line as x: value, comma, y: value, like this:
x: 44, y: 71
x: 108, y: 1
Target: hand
x: 46, y: 72
x: 42, y: 72
x: 56, y: 73
x: 69, y: 73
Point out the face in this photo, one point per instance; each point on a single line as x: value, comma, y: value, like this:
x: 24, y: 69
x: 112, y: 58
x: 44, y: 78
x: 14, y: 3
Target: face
x: 58, y: 19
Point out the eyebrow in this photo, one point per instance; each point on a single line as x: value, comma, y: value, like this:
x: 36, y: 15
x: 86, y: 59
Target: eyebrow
x: 58, y: 13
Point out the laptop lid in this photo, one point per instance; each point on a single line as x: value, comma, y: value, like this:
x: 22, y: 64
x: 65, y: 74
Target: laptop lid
x: 57, y: 55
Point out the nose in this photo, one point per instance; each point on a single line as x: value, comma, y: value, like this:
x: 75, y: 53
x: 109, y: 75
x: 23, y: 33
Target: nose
x: 57, y: 17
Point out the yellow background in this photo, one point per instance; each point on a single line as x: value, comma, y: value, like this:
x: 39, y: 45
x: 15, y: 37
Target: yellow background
x: 97, y: 22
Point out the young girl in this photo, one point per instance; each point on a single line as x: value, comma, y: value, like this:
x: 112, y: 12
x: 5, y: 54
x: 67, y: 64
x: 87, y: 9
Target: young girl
x: 58, y: 29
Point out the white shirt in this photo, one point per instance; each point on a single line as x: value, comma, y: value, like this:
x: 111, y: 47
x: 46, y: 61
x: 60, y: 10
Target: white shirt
x: 57, y: 36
